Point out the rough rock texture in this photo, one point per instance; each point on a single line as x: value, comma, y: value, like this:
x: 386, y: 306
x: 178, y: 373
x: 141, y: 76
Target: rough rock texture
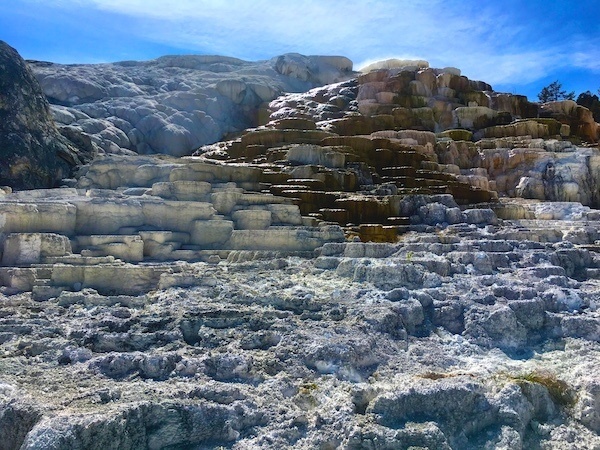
x: 33, y: 154
x: 215, y: 302
x: 471, y: 338
x: 319, y: 150
x: 167, y: 303
x: 579, y: 118
x: 174, y: 104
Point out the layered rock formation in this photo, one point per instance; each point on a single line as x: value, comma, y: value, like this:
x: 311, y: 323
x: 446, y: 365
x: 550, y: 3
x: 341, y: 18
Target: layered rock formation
x: 174, y: 104
x: 125, y: 210
x: 167, y: 302
x: 497, y: 142
x: 32, y: 152
x: 351, y: 274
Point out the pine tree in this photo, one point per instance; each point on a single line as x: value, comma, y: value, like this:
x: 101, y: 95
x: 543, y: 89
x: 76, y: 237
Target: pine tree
x: 554, y: 92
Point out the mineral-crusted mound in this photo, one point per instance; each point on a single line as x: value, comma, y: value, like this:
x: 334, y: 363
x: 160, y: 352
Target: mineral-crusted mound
x: 331, y: 279
x: 175, y: 104
x: 169, y: 303
x: 460, y: 127
x: 33, y: 154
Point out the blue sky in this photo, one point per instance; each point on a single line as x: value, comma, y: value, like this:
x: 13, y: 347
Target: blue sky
x: 518, y: 46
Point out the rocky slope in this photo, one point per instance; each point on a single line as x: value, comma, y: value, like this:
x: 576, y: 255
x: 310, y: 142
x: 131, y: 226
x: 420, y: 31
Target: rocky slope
x: 355, y: 273
x: 32, y: 152
x: 174, y: 104
x: 469, y: 338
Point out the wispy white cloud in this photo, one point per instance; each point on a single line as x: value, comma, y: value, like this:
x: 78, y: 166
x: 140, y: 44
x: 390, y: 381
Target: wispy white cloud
x: 585, y: 53
x: 509, y: 67
x: 589, y: 61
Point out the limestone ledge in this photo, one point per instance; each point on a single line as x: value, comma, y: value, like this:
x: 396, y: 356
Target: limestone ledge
x: 126, y: 214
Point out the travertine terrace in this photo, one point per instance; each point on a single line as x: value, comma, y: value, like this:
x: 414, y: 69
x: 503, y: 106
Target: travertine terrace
x: 402, y: 259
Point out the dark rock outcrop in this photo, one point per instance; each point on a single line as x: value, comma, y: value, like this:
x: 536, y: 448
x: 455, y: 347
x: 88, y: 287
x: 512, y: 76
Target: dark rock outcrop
x: 32, y: 152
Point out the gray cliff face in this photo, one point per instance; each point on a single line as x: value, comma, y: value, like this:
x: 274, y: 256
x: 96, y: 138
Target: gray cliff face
x: 175, y: 104
x: 32, y: 151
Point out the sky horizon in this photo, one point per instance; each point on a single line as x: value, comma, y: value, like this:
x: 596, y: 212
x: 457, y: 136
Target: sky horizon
x: 517, y: 47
